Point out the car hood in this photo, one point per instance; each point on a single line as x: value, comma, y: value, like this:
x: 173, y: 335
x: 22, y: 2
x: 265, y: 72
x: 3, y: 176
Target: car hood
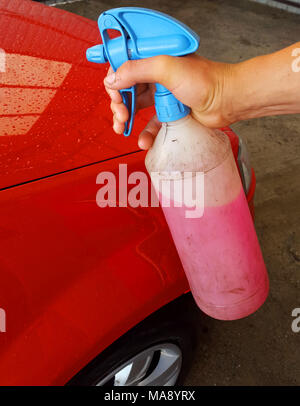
x: 54, y: 112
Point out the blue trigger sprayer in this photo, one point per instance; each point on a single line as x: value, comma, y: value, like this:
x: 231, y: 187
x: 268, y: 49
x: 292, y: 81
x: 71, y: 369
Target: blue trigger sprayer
x: 204, y: 202
x: 144, y: 33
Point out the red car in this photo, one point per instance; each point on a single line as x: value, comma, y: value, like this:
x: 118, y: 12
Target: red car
x: 90, y: 296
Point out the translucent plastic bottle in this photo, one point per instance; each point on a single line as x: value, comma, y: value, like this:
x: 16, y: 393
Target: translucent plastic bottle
x: 219, y: 249
x: 216, y: 241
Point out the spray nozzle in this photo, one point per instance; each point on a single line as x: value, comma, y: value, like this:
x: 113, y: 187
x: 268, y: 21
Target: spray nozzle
x: 143, y: 33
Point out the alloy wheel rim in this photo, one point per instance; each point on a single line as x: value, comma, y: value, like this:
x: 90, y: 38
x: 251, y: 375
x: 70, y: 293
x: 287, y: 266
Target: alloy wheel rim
x: 158, y: 365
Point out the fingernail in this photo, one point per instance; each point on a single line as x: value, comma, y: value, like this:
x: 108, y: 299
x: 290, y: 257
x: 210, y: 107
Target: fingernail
x: 110, y: 79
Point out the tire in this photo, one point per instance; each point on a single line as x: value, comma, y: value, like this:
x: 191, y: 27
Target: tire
x: 141, y: 356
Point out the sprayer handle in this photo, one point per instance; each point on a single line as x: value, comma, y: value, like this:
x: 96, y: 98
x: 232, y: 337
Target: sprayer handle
x: 108, y: 21
x: 129, y: 99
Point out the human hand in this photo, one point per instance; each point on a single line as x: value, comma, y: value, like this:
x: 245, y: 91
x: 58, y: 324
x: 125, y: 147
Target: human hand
x: 195, y: 81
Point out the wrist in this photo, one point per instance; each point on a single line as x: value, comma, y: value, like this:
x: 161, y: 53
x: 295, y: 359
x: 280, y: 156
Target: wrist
x: 227, y: 84
x: 250, y: 90
x: 218, y: 109
x: 238, y: 96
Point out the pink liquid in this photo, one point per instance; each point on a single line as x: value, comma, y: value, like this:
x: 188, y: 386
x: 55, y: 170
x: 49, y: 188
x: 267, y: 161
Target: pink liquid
x: 221, y: 256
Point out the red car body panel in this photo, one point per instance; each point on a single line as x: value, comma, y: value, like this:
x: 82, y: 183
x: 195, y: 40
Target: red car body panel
x: 73, y: 277
x: 54, y: 111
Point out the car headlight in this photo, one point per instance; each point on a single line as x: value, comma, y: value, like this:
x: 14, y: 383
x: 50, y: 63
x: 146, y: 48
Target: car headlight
x: 244, y: 165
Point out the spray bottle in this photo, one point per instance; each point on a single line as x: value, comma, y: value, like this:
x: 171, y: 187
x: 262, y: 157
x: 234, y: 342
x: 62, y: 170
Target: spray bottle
x: 193, y: 171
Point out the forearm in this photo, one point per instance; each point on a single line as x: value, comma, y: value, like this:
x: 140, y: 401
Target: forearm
x: 265, y: 85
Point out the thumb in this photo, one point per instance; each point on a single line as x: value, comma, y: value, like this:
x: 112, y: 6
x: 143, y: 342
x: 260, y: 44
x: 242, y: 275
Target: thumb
x: 157, y: 69
x: 146, y: 137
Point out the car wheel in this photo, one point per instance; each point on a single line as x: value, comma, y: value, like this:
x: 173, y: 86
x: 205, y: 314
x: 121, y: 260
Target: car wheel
x: 157, y: 352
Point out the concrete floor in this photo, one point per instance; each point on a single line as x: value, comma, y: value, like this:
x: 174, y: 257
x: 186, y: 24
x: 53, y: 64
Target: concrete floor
x: 262, y: 349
